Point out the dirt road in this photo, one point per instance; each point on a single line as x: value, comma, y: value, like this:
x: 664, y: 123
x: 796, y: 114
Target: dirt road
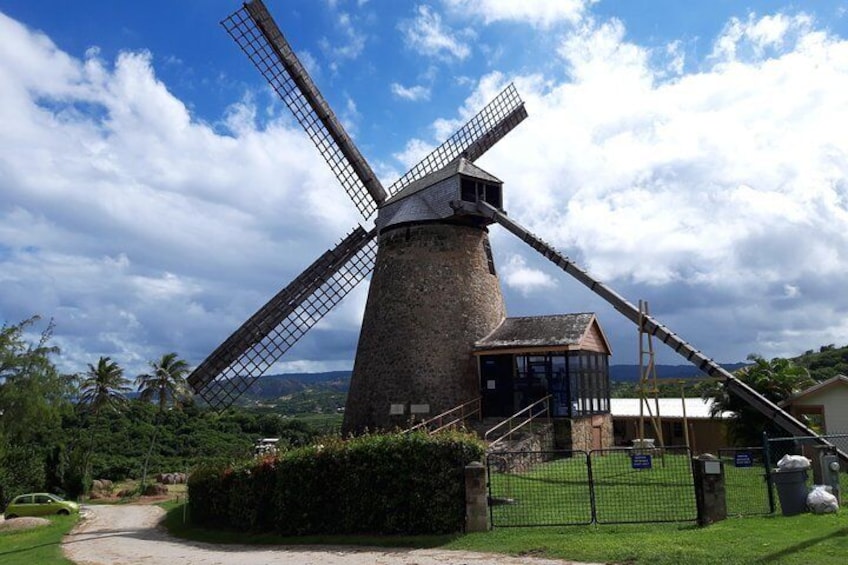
x: 129, y: 535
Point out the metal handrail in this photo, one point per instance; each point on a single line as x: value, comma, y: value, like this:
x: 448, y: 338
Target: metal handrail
x: 509, y: 421
x: 463, y: 415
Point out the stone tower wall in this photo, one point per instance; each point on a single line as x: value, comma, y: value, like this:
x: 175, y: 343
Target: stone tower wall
x: 431, y: 297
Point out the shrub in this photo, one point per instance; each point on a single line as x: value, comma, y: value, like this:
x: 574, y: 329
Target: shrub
x: 386, y: 484
x: 208, y: 497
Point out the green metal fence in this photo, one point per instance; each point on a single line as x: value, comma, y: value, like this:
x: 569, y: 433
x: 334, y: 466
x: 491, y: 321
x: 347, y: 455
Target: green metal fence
x: 607, y: 486
x: 746, y: 481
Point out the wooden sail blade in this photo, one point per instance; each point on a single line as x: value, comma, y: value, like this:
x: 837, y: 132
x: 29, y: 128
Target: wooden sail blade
x: 478, y: 135
x: 255, y: 31
x: 264, y: 338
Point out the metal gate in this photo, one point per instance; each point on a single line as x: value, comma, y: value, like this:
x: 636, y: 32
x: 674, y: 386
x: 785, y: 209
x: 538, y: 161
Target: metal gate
x: 746, y: 481
x: 605, y: 486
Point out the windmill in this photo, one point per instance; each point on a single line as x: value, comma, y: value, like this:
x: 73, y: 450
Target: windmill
x: 434, y: 290
x: 270, y: 332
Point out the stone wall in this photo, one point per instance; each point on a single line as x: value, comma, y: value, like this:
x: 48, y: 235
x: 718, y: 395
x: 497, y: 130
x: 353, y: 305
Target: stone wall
x: 524, y: 453
x: 582, y: 433
x: 431, y: 297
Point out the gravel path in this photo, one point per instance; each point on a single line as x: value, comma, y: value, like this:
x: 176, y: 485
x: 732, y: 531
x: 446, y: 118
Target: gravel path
x: 129, y: 535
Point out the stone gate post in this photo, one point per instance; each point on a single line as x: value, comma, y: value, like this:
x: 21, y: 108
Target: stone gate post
x: 710, y: 491
x: 476, y: 498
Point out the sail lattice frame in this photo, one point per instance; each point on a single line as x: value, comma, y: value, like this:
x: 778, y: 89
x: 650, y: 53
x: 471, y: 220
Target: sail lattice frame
x: 255, y: 32
x: 473, y: 139
x: 261, y: 341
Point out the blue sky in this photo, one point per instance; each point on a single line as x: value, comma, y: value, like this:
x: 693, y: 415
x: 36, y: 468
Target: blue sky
x: 153, y: 193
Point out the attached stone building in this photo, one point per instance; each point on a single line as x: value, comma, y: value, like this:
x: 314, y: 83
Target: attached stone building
x: 565, y: 356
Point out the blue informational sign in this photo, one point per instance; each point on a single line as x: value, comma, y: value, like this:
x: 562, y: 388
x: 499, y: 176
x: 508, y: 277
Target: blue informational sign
x: 640, y: 461
x: 743, y: 459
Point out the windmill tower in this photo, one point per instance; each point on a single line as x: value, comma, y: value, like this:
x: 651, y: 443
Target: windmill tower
x: 434, y: 290
x: 433, y: 294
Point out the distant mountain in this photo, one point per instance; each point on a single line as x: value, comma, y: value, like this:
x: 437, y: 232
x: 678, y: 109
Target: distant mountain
x: 329, y: 388
x: 630, y: 373
x: 276, y: 386
x: 280, y: 385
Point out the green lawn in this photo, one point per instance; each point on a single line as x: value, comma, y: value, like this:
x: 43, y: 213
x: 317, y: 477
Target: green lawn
x: 557, y: 492
x: 803, y: 539
x: 40, y: 545
x: 746, y: 490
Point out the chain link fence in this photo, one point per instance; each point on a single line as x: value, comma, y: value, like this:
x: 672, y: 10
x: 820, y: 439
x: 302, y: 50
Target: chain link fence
x: 812, y: 448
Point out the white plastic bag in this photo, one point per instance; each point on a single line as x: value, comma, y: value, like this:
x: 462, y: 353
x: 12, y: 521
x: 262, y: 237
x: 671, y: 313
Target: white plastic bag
x: 794, y: 462
x: 821, y: 501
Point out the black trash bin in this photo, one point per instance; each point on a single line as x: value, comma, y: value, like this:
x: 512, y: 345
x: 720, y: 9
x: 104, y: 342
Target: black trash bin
x: 791, y: 490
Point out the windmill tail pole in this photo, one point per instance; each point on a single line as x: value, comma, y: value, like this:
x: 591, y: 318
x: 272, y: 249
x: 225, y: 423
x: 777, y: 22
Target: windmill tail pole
x: 766, y: 407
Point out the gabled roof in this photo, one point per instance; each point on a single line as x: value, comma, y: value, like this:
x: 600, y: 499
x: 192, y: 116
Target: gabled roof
x: 459, y: 166
x: 696, y: 408
x: 555, y: 332
x: 838, y: 380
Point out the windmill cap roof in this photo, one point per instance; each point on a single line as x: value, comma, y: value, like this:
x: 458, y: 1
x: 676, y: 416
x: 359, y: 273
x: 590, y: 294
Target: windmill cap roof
x: 459, y: 166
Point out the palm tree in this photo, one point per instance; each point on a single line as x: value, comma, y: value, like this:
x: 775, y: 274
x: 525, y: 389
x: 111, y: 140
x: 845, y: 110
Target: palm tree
x: 166, y: 383
x: 777, y: 380
x: 103, y: 388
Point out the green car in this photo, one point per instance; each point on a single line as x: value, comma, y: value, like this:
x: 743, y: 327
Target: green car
x: 39, y: 504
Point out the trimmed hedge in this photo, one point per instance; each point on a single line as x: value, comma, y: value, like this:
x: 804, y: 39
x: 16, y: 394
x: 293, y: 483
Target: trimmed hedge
x: 379, y: 484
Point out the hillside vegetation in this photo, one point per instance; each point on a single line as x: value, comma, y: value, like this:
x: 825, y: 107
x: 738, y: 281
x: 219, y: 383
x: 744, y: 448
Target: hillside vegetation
x: 59, y: 431
x: 825, y: 363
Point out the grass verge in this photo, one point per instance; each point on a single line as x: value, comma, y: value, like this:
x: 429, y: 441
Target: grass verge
x: 806, y: 538
x: 802, y: 539
x: 40, y: 545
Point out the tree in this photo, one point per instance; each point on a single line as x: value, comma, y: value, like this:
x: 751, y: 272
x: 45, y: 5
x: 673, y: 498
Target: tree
x: 102, y: 389
x: 33, y: 398
x: 776, y: 380
x: 167, y: 384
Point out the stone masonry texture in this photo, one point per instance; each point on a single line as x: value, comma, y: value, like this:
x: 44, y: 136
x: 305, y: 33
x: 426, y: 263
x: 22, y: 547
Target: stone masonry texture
x: 431, y: 297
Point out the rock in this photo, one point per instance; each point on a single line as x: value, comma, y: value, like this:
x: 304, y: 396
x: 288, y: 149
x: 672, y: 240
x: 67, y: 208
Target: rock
x: 96, y: 485
x: 155, y: 490
x: 23, y: 523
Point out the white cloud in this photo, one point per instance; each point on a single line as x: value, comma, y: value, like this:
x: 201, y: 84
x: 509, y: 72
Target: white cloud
x: 310, y: 64
x: 726, y: 186
x: 428, y: 35
x: 720, y: 194
x: 538, y: 12
x: 516, y: 274
x: 413, y: 93
x: 347, y: 45
x: 139, y: 228
x: 758, y: 36
x: 413, y: 152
